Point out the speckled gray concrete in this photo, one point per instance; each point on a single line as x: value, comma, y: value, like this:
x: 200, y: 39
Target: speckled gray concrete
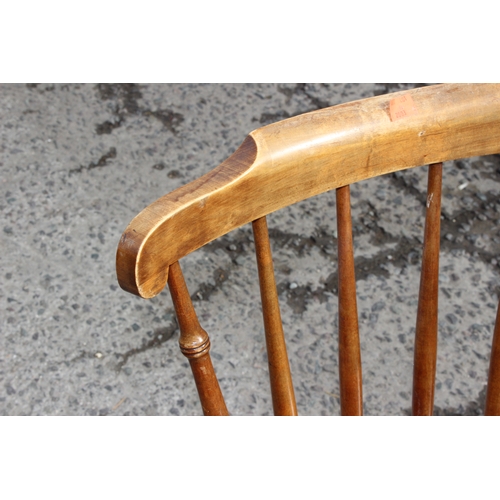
x: 78, y: 162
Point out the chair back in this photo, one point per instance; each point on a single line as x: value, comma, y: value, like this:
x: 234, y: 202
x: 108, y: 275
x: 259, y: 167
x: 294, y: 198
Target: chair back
x: 295, y: 159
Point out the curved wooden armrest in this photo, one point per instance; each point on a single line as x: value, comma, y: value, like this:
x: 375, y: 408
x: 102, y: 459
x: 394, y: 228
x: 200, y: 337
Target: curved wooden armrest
x: 283, y: 163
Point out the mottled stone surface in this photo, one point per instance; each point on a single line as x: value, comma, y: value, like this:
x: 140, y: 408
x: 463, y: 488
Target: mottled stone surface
x: 78, y: 162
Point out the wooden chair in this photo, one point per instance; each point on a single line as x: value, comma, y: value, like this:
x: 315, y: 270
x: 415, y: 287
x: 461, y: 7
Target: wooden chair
x: 283, y: 163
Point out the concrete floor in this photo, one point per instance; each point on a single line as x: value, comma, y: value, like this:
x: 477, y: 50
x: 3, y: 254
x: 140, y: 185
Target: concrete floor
x: 78, y: 162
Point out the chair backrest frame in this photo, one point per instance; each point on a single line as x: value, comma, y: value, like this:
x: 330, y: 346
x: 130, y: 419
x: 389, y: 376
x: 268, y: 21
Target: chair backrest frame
x: 292, y: 160
x: 289, y: 161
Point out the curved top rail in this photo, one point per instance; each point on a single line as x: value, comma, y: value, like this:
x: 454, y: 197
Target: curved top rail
x: 286, y: 162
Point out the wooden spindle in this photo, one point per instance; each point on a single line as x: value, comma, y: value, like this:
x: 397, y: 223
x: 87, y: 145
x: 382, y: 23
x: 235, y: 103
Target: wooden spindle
x: 279, y: 369
x: 426, y: 335
x: 351, y: 392
x: 493, y: 392
x: 195, y: 345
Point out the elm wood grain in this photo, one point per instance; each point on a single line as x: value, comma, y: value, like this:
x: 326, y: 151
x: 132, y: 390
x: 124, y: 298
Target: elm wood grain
x: 493, y: 392
x: 426, y: 334
x: 283, y: 163
x: 279, y: 368
x: 195, y: 345
x: 351, y: 390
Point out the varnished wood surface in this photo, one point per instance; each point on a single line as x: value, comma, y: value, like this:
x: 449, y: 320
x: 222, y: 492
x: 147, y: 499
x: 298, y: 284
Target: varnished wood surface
x: 493, y: 392
x: 289, y: 161
x: 286, y: 162
x: 426, y: 334
x: 195, y: 345
x: 279, y: 368
x: 351, y: 391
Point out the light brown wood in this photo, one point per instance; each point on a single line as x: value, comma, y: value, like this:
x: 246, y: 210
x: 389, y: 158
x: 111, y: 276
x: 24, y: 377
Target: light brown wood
x: 351, y: 391
x: 493, y: 392
x: 279, y: 368
x: 195, y: 345
x: 286, y: 162
x: 426, y: 334
x: 294, y: 159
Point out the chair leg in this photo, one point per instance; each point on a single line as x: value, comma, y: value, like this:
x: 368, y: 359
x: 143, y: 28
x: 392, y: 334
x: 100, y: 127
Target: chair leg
x: 279, y: 368
x: 426, y: 335
x: 195, y: 345
x: 351, y: 391
x: 493, y: 391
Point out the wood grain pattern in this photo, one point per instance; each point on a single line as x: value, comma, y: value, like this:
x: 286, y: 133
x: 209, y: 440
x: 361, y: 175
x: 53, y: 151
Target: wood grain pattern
x: 279, y: 368
x: 493, y: 392
x: 286, y: 162
x: 351, y: 391
x: 195, y: 345
x: 426, y: 334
